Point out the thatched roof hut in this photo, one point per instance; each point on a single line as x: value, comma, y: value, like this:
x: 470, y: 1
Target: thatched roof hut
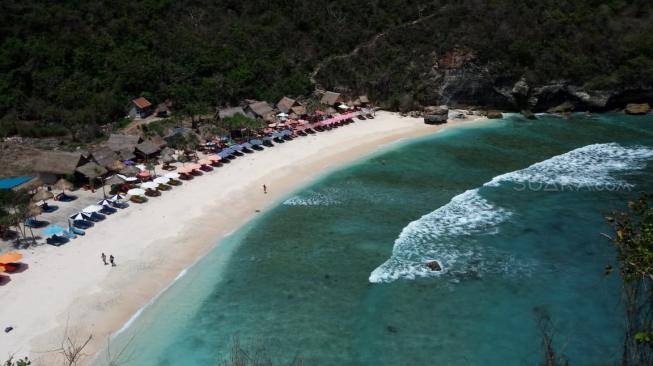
x: 259, y: 109
x: 123, y: 145
x: 104, y: 156
x: 299, y: 110
x: 331, y: 98
x: 364, y: 99
x: 286, y: 104
x: 91, y: 170
x: 57, y: 162
x: 148, y: 148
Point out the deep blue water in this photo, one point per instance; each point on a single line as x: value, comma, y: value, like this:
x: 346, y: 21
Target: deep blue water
x: 513, y: 210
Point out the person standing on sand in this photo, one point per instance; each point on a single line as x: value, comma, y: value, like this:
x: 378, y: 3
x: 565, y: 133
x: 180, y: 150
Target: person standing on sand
x: 265, y: 189
x: 113, y: 264
x: 104, y: 259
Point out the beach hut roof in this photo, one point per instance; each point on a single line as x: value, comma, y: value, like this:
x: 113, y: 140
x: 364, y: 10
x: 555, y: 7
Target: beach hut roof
x: 141, y: 103
x: 230, y: 112
x: 148, y: 147
x: 57, y: 162
x: 363, y: 99
x: 122, y: 143
x: 285, y: 104
x: 299, y: 110
x: 104, y: 156
x: 261, y: 109
x: 91, y: 170
x: 331, y: 98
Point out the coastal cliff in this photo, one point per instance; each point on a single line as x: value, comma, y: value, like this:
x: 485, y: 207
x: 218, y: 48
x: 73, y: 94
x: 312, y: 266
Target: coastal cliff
x: 523, y: 57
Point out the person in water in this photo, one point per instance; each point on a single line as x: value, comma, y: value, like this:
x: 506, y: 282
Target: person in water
x: 265, y: 189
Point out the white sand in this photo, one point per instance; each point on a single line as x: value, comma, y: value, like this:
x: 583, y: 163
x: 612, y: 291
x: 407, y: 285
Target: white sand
x: 153, y: 242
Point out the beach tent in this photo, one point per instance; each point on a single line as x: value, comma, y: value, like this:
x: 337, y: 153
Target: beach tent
x: 10, y: 257
x: 172, y: 175
x: 136, y: 192
x: 91, y: 209
x: 53, y: 230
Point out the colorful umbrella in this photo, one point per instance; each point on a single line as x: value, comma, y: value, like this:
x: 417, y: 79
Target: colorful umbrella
x: 10, y: 257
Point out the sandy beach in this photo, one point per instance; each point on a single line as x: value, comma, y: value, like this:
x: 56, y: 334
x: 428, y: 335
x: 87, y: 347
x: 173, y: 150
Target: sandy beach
x: 68, y: 287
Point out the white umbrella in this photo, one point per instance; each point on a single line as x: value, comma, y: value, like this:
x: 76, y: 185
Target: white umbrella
x: 141, y: 167
x: 282, y: 115
x: 116, y: 197
x: 343, y: 106
x: 92, y: 208
x: 161, y: 180
x: 149, y: 185
x: 79, y: 216
x: 172, y: 175
x: 136, y: 192
x: 104, y: 203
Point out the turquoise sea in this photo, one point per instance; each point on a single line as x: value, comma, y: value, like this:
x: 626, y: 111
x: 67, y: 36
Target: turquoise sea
x: 513, y: 210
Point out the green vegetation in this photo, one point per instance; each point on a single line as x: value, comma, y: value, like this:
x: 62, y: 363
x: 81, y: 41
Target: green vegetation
x: 19, y: 362
x: 70, y: 67
x: 633, y: 238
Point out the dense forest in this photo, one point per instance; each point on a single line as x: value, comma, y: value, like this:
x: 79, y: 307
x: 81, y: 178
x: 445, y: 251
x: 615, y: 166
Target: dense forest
x: 73, y: 65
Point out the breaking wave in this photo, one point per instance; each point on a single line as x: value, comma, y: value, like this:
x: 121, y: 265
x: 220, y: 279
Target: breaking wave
x: 311, y: 199
x: 436, y: 236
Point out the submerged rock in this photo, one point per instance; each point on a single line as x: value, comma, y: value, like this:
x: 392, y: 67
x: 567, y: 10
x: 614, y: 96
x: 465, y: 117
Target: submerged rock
x: 434, y: 266
x: 635, y: 108
x: 528, y: 114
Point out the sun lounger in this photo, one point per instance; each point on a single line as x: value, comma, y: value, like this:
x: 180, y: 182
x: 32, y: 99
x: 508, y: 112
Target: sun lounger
x: 69, y: 234
x: 108, y: 210
x: 49, y: 208
x: 82, y: 224
x: 35, y: 224
x: 121, y: 205
x: 65, y: 198
x: 77, y: 231
x: 57, y: 240
x: 96, y: 217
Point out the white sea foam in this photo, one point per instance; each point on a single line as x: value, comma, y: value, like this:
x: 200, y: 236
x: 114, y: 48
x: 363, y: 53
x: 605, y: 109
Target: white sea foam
x: 432, y: 236
x: 429, y: 237
x: 588, y: 166
x: 311, y: 199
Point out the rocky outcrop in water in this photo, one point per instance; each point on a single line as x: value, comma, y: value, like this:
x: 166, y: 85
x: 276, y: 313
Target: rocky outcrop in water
x: 434, y: 266
x: 634, y: 108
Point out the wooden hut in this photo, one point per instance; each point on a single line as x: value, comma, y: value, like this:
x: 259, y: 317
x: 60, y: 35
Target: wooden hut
x: 260, y: 110
x: 230, y: 112
x: 332, y: 99
x: 147, y: 149
x: 139, y: 108
x: 286, y: 104
x: 52, y: 165
x: 123, y: 145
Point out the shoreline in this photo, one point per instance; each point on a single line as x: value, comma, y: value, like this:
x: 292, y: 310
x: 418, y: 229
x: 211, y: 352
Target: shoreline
x: 152, y: 244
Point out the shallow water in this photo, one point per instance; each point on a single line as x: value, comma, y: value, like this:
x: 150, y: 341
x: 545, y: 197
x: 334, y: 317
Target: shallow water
x: 513, y: 209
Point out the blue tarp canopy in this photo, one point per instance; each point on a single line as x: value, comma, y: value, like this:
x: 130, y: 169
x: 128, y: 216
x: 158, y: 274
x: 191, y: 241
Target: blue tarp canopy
x: 236, y: 147
x: 53, y: 230
x: 9, y: 183
x: 286, y: 133
x: 224, y: 154
x: 267, y: 138
x: 246, y: 145
x: 256, y: 142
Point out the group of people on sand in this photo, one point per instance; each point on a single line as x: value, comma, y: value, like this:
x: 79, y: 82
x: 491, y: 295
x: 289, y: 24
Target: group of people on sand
x: 111, y: 259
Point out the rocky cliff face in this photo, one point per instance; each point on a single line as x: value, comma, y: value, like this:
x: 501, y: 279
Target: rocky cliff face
x: 458, y: 78
x: 517, y: 57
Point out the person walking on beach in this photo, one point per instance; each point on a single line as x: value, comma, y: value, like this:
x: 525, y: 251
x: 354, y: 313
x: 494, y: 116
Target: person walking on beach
x: 104, y: 259
x: 113, y: 264
x: 265, y: 189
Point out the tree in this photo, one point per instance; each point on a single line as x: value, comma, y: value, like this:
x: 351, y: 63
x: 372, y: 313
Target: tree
x: 633, y: 239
